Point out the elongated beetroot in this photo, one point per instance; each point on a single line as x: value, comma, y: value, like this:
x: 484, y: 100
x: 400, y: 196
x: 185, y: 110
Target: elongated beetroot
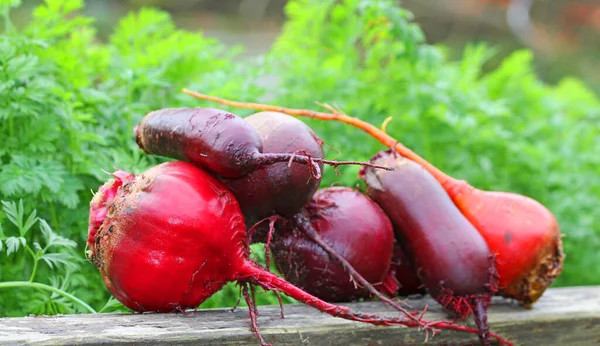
x: 355, y: 227
x: 510, y: 223
x: 174, y: 235
x: 212, y: 139
x: 280, y: 188
x: 450, y: 256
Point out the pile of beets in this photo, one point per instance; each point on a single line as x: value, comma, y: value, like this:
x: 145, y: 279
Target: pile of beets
x: 169, y: 238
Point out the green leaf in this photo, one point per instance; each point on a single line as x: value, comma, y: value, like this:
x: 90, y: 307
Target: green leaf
x: 60, y: 259
x: 53, y: 239
x: 10, y: 3
x: 14, y: 212
x: 20, y: 177
x: 67, y: 194
x: 12, y: 245
x: 111, y: 305
x: 51, y: 173
x: 31, y: 220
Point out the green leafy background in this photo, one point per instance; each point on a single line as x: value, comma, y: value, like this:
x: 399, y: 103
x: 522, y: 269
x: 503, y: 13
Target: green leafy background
x: 69, y: 101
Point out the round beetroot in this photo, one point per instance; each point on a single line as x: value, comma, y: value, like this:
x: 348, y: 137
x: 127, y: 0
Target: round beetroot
x: 279, y: 188
x: 171, y: 237
x: 355, y: 227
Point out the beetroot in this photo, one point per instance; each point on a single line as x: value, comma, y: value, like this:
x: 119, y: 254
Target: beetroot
x: 407, y: 282
x: 450, y: 256
x: 212, y: 139
x: 279, y: 188
x: 355, y: 227
x: 174, y: 235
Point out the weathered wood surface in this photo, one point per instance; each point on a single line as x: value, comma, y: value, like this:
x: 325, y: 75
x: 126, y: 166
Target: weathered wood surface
x: 565, y: 316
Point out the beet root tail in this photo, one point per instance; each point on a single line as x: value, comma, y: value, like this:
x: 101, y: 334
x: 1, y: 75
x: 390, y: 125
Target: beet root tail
x: 272, y: 219
x: 304, y: 158
x: 269, y: 281
x: 480, y: 316
x: 253, y: 312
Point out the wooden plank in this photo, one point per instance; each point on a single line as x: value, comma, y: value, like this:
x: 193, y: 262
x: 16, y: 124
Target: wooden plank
x: 564, y: 316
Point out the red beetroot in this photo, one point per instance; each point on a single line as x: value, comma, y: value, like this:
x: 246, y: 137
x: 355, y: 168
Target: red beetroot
x: 450, y: 256
x: 355, y: 227
x: 174, y: 235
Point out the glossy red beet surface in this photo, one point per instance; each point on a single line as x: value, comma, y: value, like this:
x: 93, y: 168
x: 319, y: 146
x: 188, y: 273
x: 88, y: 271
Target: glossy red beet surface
x: 172, y: 237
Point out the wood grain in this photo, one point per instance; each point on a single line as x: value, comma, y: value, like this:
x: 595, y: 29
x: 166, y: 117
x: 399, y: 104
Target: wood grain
x: 563, y: 316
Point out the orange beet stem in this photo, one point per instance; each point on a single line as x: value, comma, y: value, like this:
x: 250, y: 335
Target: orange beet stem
x: 381, y: 136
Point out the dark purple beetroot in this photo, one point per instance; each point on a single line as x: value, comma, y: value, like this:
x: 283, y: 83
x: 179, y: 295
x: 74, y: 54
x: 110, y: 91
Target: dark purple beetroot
x: 450, y: 256
x: 406, y: 282
x: 207, y: 137
x: 279, y: 188
x: 355, y: 227
x: 216, y: 140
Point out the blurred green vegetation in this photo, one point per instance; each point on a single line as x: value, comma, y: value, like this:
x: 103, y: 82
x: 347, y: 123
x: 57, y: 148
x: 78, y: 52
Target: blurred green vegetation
x: 69, y: 102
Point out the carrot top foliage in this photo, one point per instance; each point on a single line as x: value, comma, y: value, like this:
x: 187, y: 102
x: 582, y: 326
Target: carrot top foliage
x: 69, y: 101
x: 68, y: 104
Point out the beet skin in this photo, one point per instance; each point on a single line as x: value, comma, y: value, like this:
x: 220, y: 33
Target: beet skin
x: 355, y: 227
x: 210, y: 138
x: 279, y: 188
x: 450, y: 256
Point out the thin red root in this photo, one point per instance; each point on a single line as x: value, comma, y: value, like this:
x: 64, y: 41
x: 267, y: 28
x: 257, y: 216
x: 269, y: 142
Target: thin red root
x: 268, y: 244
x: 253, y: 313
x: 272, y: 219
x: 305, y: 225
x: 253, y: 299
x: 271, y: 158
x: 280, y: 302
x: 270, y: 281
x: 238, y: 301
x: 480, y: 316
